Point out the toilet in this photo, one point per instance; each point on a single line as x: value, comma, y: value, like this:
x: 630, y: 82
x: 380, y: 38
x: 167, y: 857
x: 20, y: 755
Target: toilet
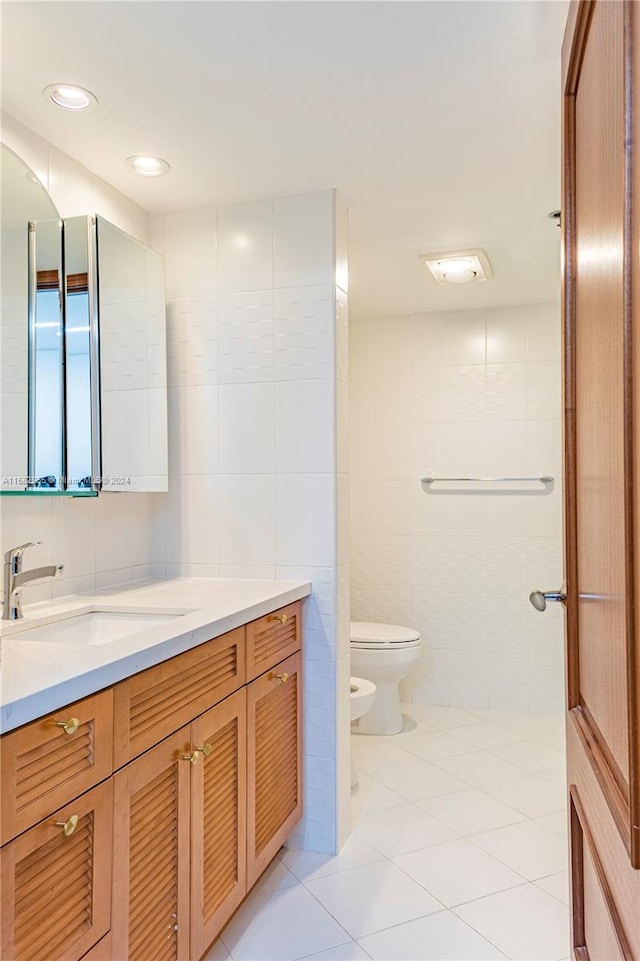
x: 363, y: 694
x: 383, y: 654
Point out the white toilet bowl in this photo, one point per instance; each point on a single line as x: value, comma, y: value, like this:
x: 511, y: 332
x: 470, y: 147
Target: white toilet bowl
x: 363, y: 694
x: 383, y: 654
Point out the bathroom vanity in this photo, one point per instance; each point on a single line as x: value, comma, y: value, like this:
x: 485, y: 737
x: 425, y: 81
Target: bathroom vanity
x: 136, y: 817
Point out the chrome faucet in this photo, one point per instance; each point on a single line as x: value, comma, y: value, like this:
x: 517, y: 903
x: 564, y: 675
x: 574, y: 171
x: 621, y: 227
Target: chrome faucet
x: 15, y: 579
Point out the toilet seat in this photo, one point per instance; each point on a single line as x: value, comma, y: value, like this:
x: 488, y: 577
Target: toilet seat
x: 368, y: 636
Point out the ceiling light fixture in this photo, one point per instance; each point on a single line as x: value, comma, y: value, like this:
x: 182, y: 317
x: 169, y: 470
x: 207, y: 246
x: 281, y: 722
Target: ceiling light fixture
x: 70, y: 97
x: 146, y: 166
x: 458, y: 266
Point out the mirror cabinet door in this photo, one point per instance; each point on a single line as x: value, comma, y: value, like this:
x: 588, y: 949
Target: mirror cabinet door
x: 47, y: 449
x: 133, y: 364
x: 82, y: 374
x: 27, y: 299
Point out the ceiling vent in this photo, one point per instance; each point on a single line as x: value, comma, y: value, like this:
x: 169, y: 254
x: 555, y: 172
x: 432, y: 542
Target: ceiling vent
x: 458, y: 266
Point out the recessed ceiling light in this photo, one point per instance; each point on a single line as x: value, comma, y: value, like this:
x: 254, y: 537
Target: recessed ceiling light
x: 70, y: 97
x: 147, y: 166
x: 458, y: 266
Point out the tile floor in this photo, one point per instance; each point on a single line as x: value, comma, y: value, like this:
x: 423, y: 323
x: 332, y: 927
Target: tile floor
x: 458, y: 853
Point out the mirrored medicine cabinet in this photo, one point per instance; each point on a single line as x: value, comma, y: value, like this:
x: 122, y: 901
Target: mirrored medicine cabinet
x: 83, y: 386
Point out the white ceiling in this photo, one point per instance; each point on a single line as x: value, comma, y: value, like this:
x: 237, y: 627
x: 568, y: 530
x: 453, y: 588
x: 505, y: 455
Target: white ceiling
x: 438, y: 122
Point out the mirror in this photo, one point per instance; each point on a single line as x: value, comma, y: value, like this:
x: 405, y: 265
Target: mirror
x: 46, y: 448
x: 83, y: 382
x: 25, y: 202
x: 82, y: 426
x: 115, y: 360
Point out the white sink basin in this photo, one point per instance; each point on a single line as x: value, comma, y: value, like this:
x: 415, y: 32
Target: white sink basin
x: 97, y: 627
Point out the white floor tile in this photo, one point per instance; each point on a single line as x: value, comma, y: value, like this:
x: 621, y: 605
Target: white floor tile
x: 556, y: 822
x: 419, y: 780
x: 457, y: 872
x: 439, y: 937
x: 306, y: 865
x: 399, y: 830
x: 557, y: 885
x: 526, y: 923
x: 351, y: 951
x: 444, y: 718
x: 555, y: 775
x: 372, y: 898
x: 487, y: 735
x: 276, y: 877
x: 530, y: 794
x: 371, y: 795
x: 410, y: 725
x: 217, y: 952
x: 536, y: 755
x: 430, y: 746
x: 280, y: 926
x: 470, y: 812
x: 529, y: 725
x: 377, y: 755
x: 528, y: 848
x: 478, y: 768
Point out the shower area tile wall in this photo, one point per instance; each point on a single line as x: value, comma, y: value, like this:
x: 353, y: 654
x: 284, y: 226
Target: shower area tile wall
x: 466, y: 394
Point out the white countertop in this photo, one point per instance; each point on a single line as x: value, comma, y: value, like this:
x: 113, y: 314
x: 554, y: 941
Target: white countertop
x: 38, y: 676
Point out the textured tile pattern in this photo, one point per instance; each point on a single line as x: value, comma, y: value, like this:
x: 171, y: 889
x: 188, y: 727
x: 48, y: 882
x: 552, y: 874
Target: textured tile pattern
x: 466, y: 394
x: 257, y: 356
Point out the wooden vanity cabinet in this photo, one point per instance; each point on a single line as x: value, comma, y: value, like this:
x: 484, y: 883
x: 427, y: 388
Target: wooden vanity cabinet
x: 271, y: 638
x: 154, y: 703
x: 218, y: 819
x: 201, y: 783
x: 150, y: 912
x: 50, y: 761
x: 101, y: 951
x: 274, y: 789
x: 180, y: 839
x: 56, y: 882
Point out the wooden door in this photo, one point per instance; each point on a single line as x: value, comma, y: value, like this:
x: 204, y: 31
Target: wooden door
x: 274, y: 762
x: 218, y: 819
x: 56, y: 882
x: 150, y: 920
x: 601, y: 77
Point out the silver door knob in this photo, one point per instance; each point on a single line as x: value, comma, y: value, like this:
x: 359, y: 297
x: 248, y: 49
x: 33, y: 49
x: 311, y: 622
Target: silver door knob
x: 539, y: 598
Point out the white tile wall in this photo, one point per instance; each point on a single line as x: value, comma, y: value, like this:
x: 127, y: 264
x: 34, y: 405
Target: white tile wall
x: 475, y: 393
x: 258, y: 376
x: 118, y: 536
x: 258, y: 409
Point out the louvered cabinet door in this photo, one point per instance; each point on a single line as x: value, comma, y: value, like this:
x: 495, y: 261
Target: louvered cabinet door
x: 218, y: 819
x: 101, y: 951
x: 274, y: 762
x: 150, y: 919
x: 156, y: 702
x: 53, y: 759
x: 56, y: 882
x: 273, y: 637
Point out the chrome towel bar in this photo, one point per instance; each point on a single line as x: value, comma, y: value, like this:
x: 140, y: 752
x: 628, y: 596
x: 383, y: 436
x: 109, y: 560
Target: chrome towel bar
x: 544, y: 479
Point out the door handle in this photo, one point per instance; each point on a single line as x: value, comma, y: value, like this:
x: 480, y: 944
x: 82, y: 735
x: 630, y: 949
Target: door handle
x: 539, y: 598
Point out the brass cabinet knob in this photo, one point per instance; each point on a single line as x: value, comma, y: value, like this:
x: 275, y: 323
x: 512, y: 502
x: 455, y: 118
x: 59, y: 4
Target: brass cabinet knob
x: 70, y: 726
x: 206, y: 749
x: 193, y: 757
x: 281, y: 677
x: 69, y: 826
x: 279, y: 617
